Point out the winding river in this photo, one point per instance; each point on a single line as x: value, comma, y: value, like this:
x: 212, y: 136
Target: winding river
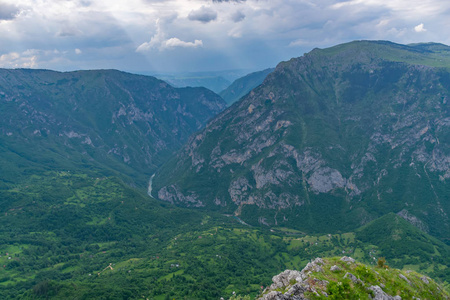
x: 150, y: 183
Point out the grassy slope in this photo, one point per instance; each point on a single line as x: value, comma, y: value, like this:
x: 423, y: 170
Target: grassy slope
x: 394, y: 282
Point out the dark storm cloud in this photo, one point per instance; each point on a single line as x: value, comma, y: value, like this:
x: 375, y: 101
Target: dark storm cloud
x: 8, y: 11
x: 203, y: 14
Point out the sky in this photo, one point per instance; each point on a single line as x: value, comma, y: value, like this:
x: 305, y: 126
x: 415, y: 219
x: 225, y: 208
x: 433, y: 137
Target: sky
x: 202, y: 35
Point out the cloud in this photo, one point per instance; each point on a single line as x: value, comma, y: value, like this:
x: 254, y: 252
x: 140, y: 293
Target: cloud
x: 78, y: 51
x: 161, y: 42
x: 419, y: 28
x: 8, y: 11
x: 203, y: 14
x: 235, y: 32
x: 176, y: 42
x: 67, y: 30
x: 238, y: 34
x: 18, y: 60
x: 156, y: 40
x: 237, y: 16
x: 168, y: 44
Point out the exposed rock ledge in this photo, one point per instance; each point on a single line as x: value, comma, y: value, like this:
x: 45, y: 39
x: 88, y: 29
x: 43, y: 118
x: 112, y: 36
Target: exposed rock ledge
x: 344, y: 278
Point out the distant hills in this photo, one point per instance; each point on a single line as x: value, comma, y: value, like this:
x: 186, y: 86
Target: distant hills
x: 104, y: 119
x: 215, y: 81
x: 242, y: 86
x: 230, y: 85
x: 330, y: 141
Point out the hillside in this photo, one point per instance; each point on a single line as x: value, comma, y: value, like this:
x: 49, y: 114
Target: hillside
x: 344, y: 278
x: 395, y: 238
x: 330, y: 141
x: 242, y: 86
x: 95, y: 237
x: 102, y: 120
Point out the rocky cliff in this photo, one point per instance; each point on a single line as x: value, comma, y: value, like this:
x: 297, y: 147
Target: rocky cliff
x: 329, y: 141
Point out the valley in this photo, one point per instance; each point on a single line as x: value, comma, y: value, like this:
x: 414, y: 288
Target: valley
x: 96, y: 237
x: 120, y: 186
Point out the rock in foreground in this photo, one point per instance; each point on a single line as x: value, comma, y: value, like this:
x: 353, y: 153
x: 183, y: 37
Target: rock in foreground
x: 344, y: 278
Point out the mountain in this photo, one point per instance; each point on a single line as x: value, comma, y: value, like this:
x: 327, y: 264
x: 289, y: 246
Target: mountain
x: 328, y: 142
x: 214, y: 83
x: 401, y: 243
x: 344, y: 278
x: 102, y: 120
x: 242, y: 86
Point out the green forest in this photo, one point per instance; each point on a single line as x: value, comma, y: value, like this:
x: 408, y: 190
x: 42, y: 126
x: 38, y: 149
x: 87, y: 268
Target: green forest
x: 73, y: 236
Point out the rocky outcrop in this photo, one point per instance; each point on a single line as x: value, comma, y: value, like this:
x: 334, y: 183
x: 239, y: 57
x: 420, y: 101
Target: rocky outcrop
x: 342, y: 279
x: 379, y: 294
x: 295, y: 284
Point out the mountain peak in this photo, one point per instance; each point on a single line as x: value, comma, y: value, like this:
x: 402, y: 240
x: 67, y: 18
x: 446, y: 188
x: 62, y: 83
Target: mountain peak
x: 428, y: 54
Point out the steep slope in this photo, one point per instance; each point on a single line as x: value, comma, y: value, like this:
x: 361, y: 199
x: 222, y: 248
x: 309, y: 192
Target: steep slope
x: 401, y: 243
x: 344, y: 278
x: 102, y: 119
x: 242, y: 86
x: 328, y: 142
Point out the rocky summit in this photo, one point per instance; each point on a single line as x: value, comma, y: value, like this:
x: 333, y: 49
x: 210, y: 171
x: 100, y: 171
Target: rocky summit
x: 329, y: 141
x: 344, y: 278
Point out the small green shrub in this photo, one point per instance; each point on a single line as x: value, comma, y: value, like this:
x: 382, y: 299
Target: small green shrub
x: 381, y: 262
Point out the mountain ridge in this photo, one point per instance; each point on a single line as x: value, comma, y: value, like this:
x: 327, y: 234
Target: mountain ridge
x: 350, y: 128
x: 242, y: 86
x: 107, y: 118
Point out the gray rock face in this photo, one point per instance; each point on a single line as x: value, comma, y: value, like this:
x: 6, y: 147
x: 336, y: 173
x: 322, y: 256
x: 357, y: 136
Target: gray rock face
x: 425, y: 280
x: 326, y: 179
x: 335, y: 268
x: 285, y: 278
x: 280, y: 296
x: 381, y: 295
x: 404, y: 278
x: 171, y: 194
x: 296, y: 282
x: 413, y: 220
x: 353, y: 278
x: 348, y: 259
